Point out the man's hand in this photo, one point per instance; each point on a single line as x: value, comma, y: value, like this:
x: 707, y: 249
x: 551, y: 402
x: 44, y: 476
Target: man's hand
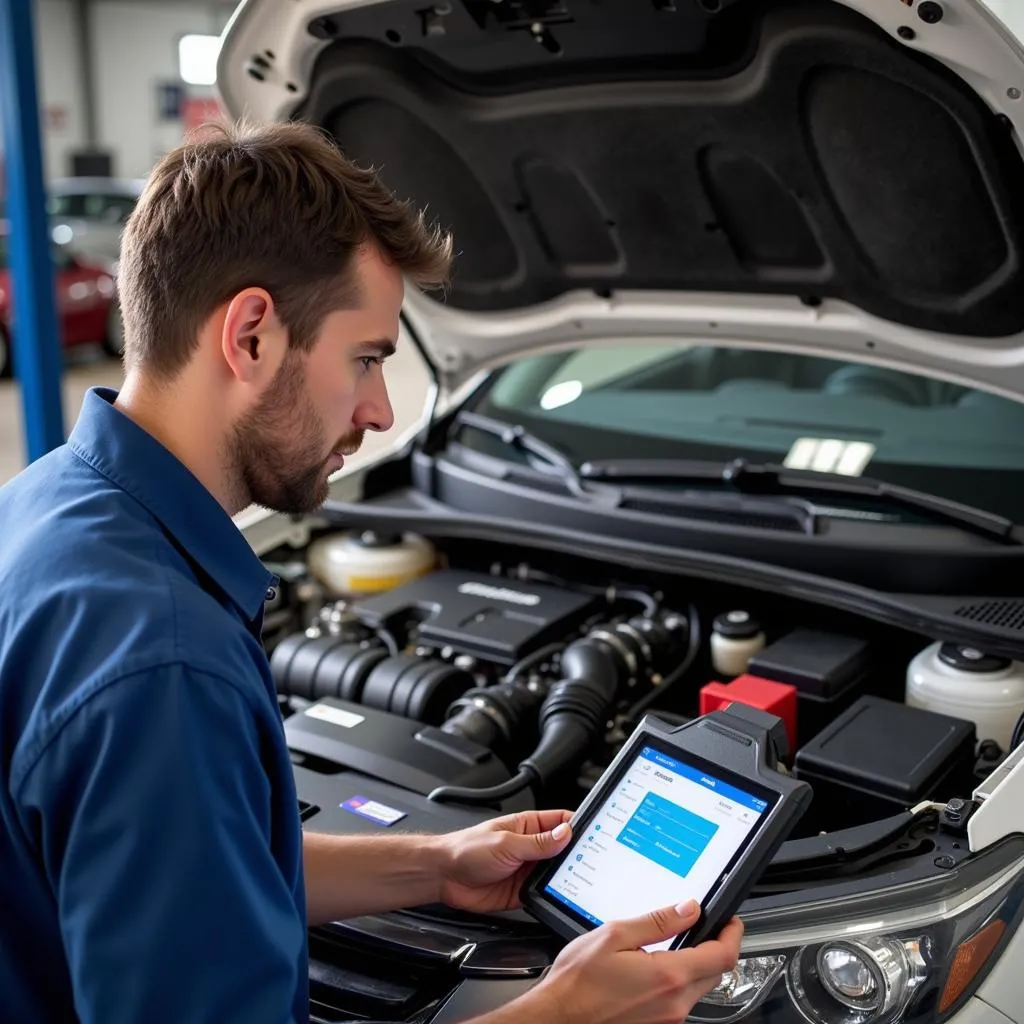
x: 478, y: 869
x: 605, y: 977
x: 485, y: 866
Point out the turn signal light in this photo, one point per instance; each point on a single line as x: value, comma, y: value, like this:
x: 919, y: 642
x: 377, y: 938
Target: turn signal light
x: 969, y: 959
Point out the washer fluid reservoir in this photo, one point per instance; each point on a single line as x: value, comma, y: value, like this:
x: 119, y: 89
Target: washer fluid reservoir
x: 356, y: 564
x: 962, y: 681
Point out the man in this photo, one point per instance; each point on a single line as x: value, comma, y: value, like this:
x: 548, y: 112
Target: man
x: 153, y: 865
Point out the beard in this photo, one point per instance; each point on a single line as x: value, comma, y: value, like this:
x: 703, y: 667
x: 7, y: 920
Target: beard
x: 279, y: 449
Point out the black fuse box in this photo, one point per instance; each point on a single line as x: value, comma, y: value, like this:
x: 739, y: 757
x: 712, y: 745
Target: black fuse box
x: 880, y: 758
x: 827, y: 669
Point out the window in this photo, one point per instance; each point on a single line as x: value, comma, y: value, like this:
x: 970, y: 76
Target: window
x: 708, y: 403
x: 197, y: 59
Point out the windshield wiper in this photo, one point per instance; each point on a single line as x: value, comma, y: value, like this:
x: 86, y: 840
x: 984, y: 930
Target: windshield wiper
x: 796, y: 515
x: 764, y: 479
x: 521, y: 439
x: 769, y: 479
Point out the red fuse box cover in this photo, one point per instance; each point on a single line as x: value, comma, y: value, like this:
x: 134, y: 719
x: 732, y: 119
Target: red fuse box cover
x: 777, y: 699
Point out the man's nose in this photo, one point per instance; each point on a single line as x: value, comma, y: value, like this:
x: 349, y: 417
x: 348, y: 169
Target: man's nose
x: 375, y: 412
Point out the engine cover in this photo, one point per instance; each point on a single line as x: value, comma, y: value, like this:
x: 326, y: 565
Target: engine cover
x: 486, y: 616
x: 351, y: 803
x: 390, y: 748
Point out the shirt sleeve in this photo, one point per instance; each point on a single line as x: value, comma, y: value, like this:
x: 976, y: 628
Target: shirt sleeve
x: 154, y: 814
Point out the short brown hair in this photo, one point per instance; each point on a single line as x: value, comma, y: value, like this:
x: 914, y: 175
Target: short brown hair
x: 273, y: 206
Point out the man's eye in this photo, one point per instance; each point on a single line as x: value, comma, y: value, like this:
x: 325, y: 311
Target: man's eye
x: 369, y: 361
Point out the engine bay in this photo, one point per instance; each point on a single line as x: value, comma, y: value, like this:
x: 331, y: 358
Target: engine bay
x: 457, y: 684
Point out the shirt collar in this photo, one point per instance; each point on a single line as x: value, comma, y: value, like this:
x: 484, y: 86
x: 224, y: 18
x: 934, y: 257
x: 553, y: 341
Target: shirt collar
x: 135, y: 461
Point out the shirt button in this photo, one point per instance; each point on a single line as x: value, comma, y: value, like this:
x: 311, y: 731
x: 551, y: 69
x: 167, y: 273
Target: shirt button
x: 271, y: 594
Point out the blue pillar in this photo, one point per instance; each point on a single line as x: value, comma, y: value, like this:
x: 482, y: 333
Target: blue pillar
x: 37, y: 348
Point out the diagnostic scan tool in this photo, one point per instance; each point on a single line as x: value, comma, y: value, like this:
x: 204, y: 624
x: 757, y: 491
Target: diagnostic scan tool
x: 693, y: 812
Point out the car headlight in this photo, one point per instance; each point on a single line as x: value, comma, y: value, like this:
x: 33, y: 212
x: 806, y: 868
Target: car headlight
x: 915, y: 960
x: 855, y: 981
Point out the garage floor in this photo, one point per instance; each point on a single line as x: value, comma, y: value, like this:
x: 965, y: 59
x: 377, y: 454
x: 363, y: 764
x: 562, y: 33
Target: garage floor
x: 407, y: 383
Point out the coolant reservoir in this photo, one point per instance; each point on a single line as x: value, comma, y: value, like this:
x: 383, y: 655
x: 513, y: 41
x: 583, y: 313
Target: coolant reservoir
x: 356, y: 564
x: 964, y: 682
x: 736, y: 637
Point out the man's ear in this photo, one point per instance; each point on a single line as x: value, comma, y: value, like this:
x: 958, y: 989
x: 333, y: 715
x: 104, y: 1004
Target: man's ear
x: 253, y: 341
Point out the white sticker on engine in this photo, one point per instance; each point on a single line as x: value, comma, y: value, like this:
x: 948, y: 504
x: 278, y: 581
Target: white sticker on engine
x: 829, y: 455
x: 336, y: 716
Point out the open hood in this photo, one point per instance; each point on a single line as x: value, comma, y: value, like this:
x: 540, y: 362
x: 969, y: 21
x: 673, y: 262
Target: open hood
x: 836, y: 177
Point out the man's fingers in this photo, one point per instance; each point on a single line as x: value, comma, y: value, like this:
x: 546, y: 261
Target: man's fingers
x: 656, y: 926
x: 546, y: 821
x: 732, y: 934
x: 546, y: 844
x: 530, y: 822
x: 535, y: 846
x: 714, y: 957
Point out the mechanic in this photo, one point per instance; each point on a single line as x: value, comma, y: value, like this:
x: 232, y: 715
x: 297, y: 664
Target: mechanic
x: 154, y: 866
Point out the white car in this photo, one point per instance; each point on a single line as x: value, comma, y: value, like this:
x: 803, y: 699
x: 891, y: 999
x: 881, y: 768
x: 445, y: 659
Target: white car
x: 730, y: 392
x: 89, y: 213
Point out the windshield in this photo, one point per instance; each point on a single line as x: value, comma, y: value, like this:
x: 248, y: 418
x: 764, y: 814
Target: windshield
x: 105, y: 207
x: 703, y: 402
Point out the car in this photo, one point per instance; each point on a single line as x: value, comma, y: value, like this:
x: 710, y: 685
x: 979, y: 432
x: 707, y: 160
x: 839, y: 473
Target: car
x: 88, y: 215
x: 87, y: 308
x: 728, y: 388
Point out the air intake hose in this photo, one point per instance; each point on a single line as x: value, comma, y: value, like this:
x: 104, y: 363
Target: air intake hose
x: 576, y: 709
x: 496, y: 717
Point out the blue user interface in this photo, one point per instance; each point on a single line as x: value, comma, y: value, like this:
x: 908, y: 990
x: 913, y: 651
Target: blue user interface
x: 663, y: 835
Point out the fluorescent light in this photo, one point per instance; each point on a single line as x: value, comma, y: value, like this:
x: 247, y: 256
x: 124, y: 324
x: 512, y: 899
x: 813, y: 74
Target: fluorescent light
x: 197, y: 59
x: 561, y: 394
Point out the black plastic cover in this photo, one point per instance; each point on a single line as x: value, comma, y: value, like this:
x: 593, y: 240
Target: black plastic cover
x: 822, y: 664
x: 329, y: 792
x: 889, y: 749
x: 390, y: 748
x: 497, y: 619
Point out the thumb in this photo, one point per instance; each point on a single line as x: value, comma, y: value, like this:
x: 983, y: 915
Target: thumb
x: 656, y: 926
x: 539, y: 845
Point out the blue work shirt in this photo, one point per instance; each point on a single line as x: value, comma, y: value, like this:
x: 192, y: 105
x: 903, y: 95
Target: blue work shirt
x: 150, y: 844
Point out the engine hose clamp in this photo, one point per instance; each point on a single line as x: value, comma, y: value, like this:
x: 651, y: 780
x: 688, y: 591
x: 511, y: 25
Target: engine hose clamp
x: 493, y: 714
x: 641, y: 641
x: 615, y: 641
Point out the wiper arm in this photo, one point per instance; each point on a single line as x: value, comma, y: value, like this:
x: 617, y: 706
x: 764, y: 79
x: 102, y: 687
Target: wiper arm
x: 767, y: 478
x: 521, y: 439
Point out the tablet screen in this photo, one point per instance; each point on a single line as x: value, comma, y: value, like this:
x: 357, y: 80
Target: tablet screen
x: 665, y: 834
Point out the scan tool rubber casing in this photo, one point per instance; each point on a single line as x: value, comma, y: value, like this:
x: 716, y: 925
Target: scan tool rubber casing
x: 739, y: 745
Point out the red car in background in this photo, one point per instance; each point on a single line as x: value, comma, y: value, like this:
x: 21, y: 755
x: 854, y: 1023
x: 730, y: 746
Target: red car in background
x: 87, y: 307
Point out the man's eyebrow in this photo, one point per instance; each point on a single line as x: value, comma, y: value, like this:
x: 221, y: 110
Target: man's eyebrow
x: 380, y: 347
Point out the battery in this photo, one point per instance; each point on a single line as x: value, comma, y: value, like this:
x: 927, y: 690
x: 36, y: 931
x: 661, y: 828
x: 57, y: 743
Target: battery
x: 880, y: 757
x: 828, y: 670
x: 778, y: 699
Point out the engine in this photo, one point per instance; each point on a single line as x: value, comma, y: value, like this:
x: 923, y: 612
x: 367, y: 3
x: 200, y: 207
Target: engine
x: 470, y: 687
x: 433, y: 692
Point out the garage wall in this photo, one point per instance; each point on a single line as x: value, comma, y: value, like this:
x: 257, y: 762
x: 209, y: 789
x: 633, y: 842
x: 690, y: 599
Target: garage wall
x: 136, y: 49
x: 60, y: 75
